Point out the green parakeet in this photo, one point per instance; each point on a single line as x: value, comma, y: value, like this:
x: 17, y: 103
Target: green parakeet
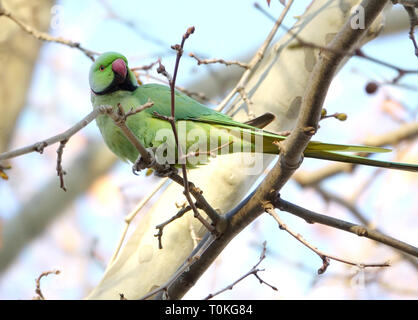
x: 202, y: 131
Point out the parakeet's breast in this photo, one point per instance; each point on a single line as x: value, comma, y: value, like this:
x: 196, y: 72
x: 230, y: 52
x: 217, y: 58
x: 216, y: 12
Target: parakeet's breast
x: 112, y: 135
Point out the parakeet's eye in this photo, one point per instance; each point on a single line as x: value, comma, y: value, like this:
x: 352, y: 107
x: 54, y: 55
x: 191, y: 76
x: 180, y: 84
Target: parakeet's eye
x: 101, y: 68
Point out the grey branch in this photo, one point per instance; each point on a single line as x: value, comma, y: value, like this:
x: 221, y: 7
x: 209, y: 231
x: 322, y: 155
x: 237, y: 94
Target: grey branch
x: 254, y: 271
x: 50, y: 202
x: 221, y: 61
x: 313, y: 217
x: 39, y: 146
x: 324, y: 257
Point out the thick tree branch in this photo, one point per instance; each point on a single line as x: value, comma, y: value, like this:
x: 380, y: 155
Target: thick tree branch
x: 291, y: 151
x: 320, y: 81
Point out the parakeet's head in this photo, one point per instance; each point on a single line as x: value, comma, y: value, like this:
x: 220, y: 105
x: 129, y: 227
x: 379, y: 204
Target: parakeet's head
x: 110, y: 72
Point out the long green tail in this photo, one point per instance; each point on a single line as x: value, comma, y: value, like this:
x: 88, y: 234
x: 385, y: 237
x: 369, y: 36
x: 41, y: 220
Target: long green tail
x: 318, y: 150
x: 334, y: 152
x: 350, y: 158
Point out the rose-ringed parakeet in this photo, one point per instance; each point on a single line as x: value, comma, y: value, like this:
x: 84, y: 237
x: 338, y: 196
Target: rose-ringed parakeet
x: 203, y: 130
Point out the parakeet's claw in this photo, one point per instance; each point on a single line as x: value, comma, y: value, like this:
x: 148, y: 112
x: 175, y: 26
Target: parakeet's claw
x: 165, y: 170
x: 140, y: 164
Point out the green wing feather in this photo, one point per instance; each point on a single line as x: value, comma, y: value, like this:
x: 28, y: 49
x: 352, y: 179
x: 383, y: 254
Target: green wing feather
x: 188, y: 109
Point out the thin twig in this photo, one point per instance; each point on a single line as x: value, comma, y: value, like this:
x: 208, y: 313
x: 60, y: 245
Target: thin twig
x: 133, y: 213
x: 324, y: 257
x: 313, y: 217
x: 119, y: 118
x: 254, y: 271
x: 145, y: 67
x: 134, y: 25
x: 146, y: 105
x: 60, y: 171
x: 38, y: 290
x: 44, y: 36
x: 62, y: 138
x: 356, y: 52
x: 328, y: 196
x: 244, y: 96
x: 197, y: 95
x: 352, y: 208
x: 161, y: 226
x: 185, y: 183
x: 222, y: 61
x: 172, y: 82
x: 413, y: 20
x: 193, y: 235
x: 401, y: 71
x: 210, y: 153
x: 3, y: 174
x: 336, y: 115
x: 95, y: 255
x: 161, y: 70
x: 41, y: 145
x: 202, y: 203
x: 256, y: 59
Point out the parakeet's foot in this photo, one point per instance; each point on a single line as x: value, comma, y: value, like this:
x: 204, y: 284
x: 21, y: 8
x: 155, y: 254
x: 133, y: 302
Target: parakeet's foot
x: 165, y: 170
x: 140, y: 164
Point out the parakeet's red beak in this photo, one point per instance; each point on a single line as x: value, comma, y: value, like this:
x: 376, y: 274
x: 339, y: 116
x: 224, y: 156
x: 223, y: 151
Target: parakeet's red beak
x: 119, y: 68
